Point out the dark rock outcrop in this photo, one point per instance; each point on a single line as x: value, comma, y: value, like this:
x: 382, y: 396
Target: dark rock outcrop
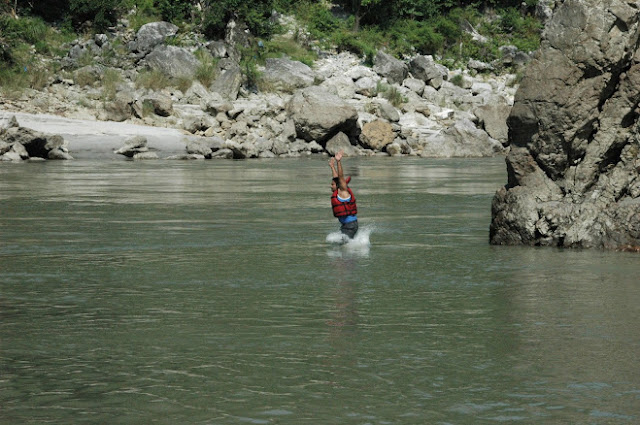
x: 18, y: 143
x: 574, y: 131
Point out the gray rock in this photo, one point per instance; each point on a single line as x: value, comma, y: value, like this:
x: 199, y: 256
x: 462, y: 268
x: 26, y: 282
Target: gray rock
x: 199, y: 147
x: 101, y: 39
x: 367, y: 86
x: 394, y: 149
x: 161, y: 104
x: 59, y: 153
x: 342, y: 86
x: 197, y: 123
x: 144, y: 155
x: 223, y: 154
x: 31, y: 143
x: 340, y: 142
x: 462, y: 139
x: 188, y: 156
x: 427, y: 70
x: 288, y: 131
x: 175, y: 62
x: 8, y: 122
x: 288, y: 75
x: 11, y: 156
x: 133, y: 146
x: 493, y: 119
x: 4, y: 147
x: 228, y: 83
x: 479, y: 65
x: 119, y: 109
x: 415, y: 85
x: 237, y: 34
x: 218, y: 49
x: 393, y: 69
x: 574, y: 162
x: 19, y: 149
x: 197, y: 94
x: 511, y: 55
x: 215, y: 106
x: 319, y: 115
x: 387, y: 111
x: 151, y: 35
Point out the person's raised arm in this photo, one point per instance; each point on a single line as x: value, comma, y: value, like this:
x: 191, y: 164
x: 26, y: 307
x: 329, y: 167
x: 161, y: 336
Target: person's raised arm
x: 342, y: 183
x: 332, y: 164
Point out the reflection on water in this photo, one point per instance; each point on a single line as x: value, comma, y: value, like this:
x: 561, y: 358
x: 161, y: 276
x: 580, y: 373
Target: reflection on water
x: 211, y: 293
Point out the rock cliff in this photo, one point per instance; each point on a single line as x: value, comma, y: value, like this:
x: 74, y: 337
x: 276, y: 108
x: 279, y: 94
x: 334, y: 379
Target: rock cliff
x: 574, y: 163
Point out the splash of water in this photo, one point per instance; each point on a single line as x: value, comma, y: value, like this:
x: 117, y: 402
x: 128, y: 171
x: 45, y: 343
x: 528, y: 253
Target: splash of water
x: 360, y: 243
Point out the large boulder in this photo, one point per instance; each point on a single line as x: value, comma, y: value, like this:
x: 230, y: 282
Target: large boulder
x: 160, y: 103
x: 119, y: 109
x: 173, y: 61
x: 341, y: 85
x: 151, y: 35
x: 393, y: 69
x: 426, y: 69
x: 133, y: 146
x: 30, y: 143
x: 286, y: 74
x: 574, y: 164
x: 376, y: 135
x: 462, y: 139
x: 493, y: 118
x: 228, y: 83
x: 340, y: 142
x: 319, y: 115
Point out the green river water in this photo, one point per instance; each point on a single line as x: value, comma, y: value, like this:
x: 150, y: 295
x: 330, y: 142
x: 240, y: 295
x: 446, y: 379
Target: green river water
x: 206, y: 293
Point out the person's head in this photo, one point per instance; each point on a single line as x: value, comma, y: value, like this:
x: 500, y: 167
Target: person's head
x: 334, y: 184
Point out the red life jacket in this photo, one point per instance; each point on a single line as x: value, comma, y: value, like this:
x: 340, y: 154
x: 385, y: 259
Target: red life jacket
x: 343, y: 209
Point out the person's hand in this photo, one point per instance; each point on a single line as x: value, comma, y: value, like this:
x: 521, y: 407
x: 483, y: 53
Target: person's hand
x: 332, y: 162
x: 339, y: 155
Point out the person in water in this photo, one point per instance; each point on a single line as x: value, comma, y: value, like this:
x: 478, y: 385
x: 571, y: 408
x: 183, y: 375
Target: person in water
x: 343, y: 201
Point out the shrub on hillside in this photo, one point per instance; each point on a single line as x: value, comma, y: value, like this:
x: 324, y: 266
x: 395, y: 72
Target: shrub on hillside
x: 99, y: 14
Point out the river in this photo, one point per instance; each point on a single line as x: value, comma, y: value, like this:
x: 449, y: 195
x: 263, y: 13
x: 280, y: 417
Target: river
x: 207, y: 293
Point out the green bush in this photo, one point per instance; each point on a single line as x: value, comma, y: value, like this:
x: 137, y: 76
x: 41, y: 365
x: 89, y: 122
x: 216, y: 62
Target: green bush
x: 110, y: 81
x: 101, y: 14
x: 173, y: 11
x: 289, y: 48
x: 457, y: 80
x: 85, y: 79
x: 393, y: 95
x: 409, y: 37
x: 29, y: 30
x: 317, y: 19
x: 153, y: 80
x: 251, y: 73
x: 255, y: 13
x: 207, y: 72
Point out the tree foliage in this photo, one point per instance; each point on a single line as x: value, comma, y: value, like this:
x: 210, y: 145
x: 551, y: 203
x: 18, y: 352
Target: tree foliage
x: 360, y: 26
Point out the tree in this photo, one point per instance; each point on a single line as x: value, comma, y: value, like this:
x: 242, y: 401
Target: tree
x: 360, y: 9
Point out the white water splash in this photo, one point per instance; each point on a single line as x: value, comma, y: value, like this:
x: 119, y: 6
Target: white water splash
x: 360, y: 244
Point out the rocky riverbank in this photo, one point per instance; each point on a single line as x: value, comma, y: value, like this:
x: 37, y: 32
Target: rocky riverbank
x: 574, y: 160
x: 412, y: 106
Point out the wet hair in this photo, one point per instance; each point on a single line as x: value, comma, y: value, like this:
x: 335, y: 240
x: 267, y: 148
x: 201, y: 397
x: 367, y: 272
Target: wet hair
x: 337, y: 180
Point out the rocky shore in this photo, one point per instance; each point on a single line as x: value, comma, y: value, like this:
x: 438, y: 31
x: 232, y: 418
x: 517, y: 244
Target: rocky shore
x: 574, y: 160
x: 412, y: 106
